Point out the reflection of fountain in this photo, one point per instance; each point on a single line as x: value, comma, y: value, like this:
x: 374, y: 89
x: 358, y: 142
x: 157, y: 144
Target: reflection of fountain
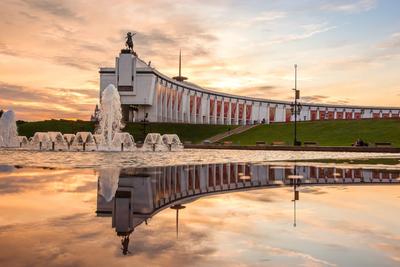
x: 108, y: 183
x: 84, y: 141
x: 110, y: 116
x: 123, y: 142
x: 40, y: 141
x: 8, y: 130
x: 154, y: 142
x: 172, y: 142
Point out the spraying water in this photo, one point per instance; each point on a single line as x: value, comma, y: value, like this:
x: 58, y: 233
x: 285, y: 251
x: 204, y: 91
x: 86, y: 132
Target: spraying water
x: 110, y: 116
x: 8, y: 129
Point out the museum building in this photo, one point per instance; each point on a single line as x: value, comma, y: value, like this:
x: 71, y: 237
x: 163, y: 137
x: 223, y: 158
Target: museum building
x: 147, y: 94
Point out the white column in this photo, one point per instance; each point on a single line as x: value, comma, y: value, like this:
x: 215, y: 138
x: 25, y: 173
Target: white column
x: 164, y: 108
x: 221, y: 118
x: 237, y: 113
x: 244, y: 113
x: 215, y: 110
x: 195, y: 108
x: 166, y: 104
x: 229, y: 117
x: 188, y: 108
x: 176, y: 98
x: 179, y: 112
x: 157, y: 100
x: 184, y: 105
x: 208, y: 110
x: 170, y: 110
x: 204, y: 109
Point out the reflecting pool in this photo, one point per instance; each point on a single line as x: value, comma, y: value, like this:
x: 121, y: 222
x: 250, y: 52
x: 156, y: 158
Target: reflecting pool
x: 200, y: 214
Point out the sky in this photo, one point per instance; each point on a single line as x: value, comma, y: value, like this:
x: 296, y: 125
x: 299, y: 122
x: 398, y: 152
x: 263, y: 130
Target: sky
x: 347, y: 52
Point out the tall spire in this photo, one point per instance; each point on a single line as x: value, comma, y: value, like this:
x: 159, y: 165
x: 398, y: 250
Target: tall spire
x: 180, y: 62
x: 180, y: 78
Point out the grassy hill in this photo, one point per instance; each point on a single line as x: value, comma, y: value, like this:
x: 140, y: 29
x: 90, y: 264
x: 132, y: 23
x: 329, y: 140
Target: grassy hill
x: 186, y: 132
x: 65, y: 126
x: 326, y: 133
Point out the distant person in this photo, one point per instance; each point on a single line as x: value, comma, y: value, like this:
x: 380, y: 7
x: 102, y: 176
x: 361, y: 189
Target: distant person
x: 360, y: 142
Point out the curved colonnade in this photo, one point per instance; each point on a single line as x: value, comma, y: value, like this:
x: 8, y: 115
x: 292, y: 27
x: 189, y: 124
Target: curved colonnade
x: 147, y: 94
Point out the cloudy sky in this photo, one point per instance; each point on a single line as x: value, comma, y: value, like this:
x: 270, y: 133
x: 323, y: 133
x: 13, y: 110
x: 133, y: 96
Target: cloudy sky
x: 348, y: 51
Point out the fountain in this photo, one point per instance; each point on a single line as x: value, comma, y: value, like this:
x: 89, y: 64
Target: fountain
x: 40, y: 141
x: 58, y: 142
x: 172, y: 141
x: 107, y: 138
x: 69, y: 138
x: 123, y: 142
x: 83, y: 141
x: 153, y: 142
x: 23, y: 141
x: 110, y: 116
x: 8, y: 129
x: 98, y: 138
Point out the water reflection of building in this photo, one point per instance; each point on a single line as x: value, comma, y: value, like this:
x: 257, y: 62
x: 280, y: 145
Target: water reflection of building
x: 143, y: 192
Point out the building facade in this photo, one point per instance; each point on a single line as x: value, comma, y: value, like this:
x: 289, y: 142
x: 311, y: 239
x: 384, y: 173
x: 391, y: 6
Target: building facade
x: 147, y: 94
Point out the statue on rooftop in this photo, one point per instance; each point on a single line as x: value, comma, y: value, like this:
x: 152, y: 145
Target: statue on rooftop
x: 129, y: 40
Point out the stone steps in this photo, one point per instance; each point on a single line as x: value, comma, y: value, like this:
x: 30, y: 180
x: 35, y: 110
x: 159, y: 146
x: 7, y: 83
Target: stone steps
x: 238, y: 130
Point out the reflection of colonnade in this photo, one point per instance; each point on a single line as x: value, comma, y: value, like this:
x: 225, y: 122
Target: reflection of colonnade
x: 153, y: 188
x: 140, y: 193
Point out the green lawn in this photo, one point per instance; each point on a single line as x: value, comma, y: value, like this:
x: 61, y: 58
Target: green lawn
x: 186, y: 132
x: 326, y: 133
x: 64, y: 126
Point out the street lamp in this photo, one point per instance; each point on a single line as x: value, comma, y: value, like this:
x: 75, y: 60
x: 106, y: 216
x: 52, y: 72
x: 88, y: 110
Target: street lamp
x: 296, y: 107
x: 145, y: 120
x: 144, y: 124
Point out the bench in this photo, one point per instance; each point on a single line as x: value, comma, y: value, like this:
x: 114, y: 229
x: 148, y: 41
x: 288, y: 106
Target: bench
x: 260, y: 143
x: 383, y: 144
x: 278, y: 143
x: 310, y: 143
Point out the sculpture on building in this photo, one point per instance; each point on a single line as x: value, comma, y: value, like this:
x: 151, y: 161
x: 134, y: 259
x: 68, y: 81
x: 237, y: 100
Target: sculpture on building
x: 129, y: 40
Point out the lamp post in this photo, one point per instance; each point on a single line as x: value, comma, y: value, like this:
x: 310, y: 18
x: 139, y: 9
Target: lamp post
x: 295, y: 107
